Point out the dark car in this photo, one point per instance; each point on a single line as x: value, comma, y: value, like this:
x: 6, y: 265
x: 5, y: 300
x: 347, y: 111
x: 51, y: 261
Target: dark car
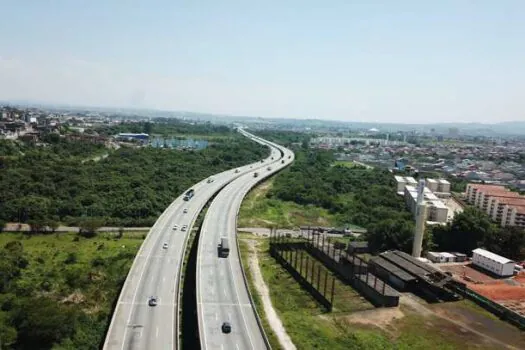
x: 226, y: 327
x: 152, y: 301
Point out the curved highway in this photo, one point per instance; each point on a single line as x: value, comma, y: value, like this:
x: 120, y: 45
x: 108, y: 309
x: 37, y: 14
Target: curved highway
x: 222, y: 294
x: 156, y: 270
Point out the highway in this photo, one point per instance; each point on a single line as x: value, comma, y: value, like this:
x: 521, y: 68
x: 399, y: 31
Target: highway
x: 156, y: 271
x: 222, y: 294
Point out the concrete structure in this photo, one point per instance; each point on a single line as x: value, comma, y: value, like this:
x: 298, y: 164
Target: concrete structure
x: 494, y: 263
x: 130, y: 136
x: 420, y: 220
x: 403, y: 181
x: 436, y: 211
x: 432, y: 185
x: 505, y: 207
x: 443, y: 186
x: 157, y: 271
x: 222, y: 290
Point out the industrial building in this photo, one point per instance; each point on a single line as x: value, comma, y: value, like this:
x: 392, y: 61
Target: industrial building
x: 505, y: 207
x: 444, y: 257
x: 437, y: 211
x: 406, y: 273
x: 129, y: 136
x: 494, y: 263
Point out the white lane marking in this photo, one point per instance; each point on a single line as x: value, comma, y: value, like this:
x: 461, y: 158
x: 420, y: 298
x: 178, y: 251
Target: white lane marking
x: 224, y: 290
x: 157, y: 333
x: 163, y: 279
x: 237, y: 346
x: 216, y: 316
x: 223, y: 304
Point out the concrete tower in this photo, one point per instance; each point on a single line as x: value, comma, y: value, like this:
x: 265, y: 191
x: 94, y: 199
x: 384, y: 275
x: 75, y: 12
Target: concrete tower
x: 421, y: 215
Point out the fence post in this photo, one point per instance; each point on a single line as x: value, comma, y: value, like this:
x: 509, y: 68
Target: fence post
x: 325, y: 283
x: 318, y: 276
x: 301, y: 264
x: 313, y: 270
x: 333, y: 291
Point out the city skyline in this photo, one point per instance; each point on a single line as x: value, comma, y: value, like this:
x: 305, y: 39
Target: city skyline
x: 402, y: 63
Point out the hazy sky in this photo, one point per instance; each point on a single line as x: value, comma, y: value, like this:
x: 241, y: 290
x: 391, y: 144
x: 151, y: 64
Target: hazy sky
x: 385, y: 61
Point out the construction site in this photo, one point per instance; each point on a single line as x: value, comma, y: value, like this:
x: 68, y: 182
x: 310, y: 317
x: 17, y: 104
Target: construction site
x: 508, y: 292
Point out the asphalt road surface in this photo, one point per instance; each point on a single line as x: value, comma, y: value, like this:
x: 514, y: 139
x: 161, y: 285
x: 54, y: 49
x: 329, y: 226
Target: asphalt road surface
x: 222, y: 294
x: 156, y: 272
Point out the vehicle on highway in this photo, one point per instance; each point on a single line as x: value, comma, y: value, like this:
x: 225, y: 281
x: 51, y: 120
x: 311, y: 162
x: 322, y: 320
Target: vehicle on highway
x: 224, y: 248
x: 165, y: 246
x: 226, y: 327
x: 185, y: 210
x: 175, y: 227
x: 184, y: 227
x: 289, y: 156
x: 255, y: 174
x: 236, y: 171
x: 152, y: 301
x: 282, y: 161
x: 210, y: 180
x: 269, y: 168
x: 272, y: 158
x: 189, y: 195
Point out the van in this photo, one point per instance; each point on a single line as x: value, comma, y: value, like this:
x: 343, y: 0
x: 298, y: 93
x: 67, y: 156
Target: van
x: 224, y: 248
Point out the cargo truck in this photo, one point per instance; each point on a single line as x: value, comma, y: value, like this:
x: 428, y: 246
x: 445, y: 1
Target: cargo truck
x: 224, y: 248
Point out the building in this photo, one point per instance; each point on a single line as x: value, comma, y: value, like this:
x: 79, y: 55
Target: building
x: 443, y: 186
x: 437, y: 211
x: 505, y: 207
x: 358, y: 247
x: 129, y: 136
x: 402, y: 181
x: 441, y: 257
x: 494, y: 263
x: 432, y: 185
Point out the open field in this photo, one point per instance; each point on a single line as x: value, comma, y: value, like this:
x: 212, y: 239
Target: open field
x: 259, y: 211
x: 414, y: 325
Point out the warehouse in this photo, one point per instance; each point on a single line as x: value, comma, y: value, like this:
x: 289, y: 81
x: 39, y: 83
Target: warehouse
x: 441, y: 257
x: 494, y: 263
x: 394, y: 275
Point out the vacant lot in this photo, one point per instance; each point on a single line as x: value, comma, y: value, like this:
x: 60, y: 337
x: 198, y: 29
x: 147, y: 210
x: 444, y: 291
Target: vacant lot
x: 259, y: 211
x: 84, y: 274
x: 414, y: 325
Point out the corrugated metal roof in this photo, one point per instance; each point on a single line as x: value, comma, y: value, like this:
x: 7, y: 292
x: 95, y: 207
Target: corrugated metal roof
x: 492, y: 256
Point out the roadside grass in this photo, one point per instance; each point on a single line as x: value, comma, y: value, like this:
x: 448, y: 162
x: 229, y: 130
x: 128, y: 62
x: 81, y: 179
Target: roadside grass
x: 259, y: 211
x: 311, y: 327
x: 245, y: 253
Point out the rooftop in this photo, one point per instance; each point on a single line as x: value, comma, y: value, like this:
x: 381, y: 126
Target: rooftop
x: 492, y: 256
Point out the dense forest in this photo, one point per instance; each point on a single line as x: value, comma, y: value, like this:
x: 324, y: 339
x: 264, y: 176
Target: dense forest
x: 131, y: 187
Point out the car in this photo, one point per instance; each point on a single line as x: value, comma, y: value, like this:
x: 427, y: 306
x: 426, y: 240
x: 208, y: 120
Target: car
x: 185, y: 210
x: 210, y: 180
x: 236, y: 171
x: 184, y: 227
x: 226, y: 327
x: 152, y: 301
x: 165, y: 246
x: 175, y: 227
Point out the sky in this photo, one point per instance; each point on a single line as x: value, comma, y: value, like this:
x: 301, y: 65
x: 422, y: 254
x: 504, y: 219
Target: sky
x: 378, y: 61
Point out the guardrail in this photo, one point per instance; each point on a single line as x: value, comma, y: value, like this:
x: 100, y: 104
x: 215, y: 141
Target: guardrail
x: 245, y: 279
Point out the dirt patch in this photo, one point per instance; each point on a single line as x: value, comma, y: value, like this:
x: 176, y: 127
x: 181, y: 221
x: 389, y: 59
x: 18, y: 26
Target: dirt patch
x: 262, y: 289
x: 490, y: 329
x: 75, y: 298
x: 380, y: 317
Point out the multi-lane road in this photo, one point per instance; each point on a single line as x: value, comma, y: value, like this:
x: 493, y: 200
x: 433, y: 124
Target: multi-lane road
x: 222, y: 293
x: 156, y: 270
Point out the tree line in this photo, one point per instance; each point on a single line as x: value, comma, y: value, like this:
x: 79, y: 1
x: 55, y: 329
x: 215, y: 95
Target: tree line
x: 47, y: 185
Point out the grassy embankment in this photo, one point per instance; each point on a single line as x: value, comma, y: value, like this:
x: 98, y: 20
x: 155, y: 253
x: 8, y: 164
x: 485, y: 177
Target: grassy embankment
x: 259, y: 211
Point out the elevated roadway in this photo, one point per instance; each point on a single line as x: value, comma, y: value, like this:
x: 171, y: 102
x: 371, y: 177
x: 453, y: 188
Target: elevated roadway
x: 157, y: 271
x: 222, y: 293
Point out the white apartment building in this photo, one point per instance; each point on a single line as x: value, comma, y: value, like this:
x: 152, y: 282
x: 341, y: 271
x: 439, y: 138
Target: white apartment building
x: 437, y: 211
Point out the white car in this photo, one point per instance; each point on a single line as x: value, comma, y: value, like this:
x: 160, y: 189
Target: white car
x: 185, y: 210
x: 165, y: 246
x: 175, y: 227
x: 183, y: 228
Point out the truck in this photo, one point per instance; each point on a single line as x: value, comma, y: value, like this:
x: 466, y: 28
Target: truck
x: 224, y: 248
x: 188, y: 195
